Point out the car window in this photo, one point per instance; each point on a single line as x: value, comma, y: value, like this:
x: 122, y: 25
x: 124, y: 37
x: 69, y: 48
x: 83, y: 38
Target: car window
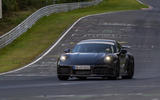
x: 94, y: 48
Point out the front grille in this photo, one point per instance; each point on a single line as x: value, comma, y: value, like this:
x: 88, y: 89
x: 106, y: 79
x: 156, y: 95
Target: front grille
x: 82, y: 72
x: 98, y: 70
x: 102, y: 70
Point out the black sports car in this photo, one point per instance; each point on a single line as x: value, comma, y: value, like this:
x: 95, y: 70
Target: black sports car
x: 96, y: 58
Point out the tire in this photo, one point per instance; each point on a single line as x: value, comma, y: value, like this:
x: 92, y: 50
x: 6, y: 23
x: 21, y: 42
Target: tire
x: 116, y: 72
x: 82, y: 78
x: 130, y: 70
x: 61, y: 77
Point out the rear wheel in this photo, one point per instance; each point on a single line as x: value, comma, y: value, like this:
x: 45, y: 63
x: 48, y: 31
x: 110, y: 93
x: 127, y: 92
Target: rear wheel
x: 61, y: 77
x: 130, y: 70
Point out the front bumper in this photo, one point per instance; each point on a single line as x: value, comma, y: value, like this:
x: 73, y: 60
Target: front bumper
x: 95, y: 71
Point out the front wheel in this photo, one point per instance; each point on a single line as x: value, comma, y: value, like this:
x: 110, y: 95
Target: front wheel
x: 116, y: 72
x: 61, y: 77
x: 130, y: 70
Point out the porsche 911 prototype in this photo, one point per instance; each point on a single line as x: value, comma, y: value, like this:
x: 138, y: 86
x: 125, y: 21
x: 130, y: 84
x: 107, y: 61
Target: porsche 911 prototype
x: 96, y: 58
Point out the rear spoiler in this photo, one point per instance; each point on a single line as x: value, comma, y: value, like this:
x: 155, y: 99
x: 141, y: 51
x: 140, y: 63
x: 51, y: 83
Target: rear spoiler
x: 123, y: 44
x: 126, y: 47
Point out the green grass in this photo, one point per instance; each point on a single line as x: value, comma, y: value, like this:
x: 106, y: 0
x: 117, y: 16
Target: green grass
x: 48, y: 29
x: 9, y: 21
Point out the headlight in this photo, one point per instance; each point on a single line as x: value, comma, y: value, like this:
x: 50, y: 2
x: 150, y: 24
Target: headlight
x: 107, y: 59
x: 63, y: 58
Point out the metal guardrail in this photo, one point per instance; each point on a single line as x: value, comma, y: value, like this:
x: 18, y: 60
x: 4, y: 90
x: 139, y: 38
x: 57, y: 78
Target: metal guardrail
x: 45, y: 11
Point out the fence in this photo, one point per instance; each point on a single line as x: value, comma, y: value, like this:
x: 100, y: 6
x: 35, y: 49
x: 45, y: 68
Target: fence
x: 45, y: 11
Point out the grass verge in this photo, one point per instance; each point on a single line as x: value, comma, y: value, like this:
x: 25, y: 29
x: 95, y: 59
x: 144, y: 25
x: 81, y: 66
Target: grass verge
x: 47, y: 30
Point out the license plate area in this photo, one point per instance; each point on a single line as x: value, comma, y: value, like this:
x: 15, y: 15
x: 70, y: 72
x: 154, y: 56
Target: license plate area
x: 82, y: 67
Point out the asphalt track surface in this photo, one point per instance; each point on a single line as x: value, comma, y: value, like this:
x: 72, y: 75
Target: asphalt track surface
x: 139, y: 29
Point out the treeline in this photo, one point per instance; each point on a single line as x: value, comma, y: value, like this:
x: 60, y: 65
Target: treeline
x: 15, y: 5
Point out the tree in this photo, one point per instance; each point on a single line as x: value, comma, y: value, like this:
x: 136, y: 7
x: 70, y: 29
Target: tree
x: 9, y: 5
x: 0, y: 9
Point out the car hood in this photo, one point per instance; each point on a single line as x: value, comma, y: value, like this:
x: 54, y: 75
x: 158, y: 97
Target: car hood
x: 84, y: 59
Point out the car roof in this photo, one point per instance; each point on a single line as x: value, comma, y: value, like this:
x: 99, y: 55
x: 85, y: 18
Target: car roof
x: 104, y: 41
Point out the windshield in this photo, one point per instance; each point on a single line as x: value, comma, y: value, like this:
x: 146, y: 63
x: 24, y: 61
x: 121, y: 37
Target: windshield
x: 93, y: 48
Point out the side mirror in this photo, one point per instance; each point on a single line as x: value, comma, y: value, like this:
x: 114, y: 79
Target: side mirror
x: 67, y: 50
x: 123, y: 51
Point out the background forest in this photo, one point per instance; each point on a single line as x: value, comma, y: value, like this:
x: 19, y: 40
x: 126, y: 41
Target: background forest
x: 15, y: 5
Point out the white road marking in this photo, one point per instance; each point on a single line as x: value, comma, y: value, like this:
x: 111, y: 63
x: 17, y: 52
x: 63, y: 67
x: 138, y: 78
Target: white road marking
x: 119, y: 24
x: 42, y: 85
x: 91, y: 95
x: 155, y: 99
x: 105, y: 35
x: 99, y: 95
x: 77, y: 83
